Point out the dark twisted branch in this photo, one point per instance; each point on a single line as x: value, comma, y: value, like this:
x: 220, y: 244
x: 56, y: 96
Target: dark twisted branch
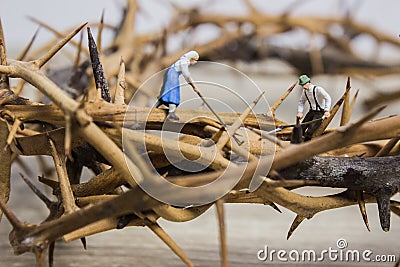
x: 377, y: 176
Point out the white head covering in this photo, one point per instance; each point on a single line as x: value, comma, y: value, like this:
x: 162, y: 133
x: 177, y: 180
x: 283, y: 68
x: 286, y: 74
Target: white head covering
x: 192, y: 55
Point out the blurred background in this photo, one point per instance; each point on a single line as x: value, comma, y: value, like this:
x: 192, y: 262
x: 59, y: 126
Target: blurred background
x: 273, y: 63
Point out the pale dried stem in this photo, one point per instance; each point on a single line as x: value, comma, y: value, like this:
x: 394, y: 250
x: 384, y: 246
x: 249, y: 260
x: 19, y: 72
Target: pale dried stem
x: 78, y: 52
x: 219, y: 205
x: 353, y: 102
x: 98, y: 227
x: 56, y: 33
x: 160, y: 232
x: 100, y: 32
x: 275, y: 106
x: 119, y: 98
x: 127, y: 31
x: 346, y: 111
x: 37, y: 192
x: 41, y: 61
x: 4, y: 80
x: 28, y: 47
x: 385, y: 150
x: 13, y: 132
x: 68, y: 198
x: 5, y: 164
x: 68, y: 135
x: 19, y: 87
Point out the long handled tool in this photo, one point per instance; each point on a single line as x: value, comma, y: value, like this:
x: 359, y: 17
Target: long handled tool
x: 217, y: 116
x: 281, y: 127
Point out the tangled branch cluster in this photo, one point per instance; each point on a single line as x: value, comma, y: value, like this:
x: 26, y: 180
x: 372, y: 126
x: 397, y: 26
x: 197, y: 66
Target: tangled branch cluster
x: 84, y: 126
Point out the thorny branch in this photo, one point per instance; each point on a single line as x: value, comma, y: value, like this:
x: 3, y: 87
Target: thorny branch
x: 79, y: 128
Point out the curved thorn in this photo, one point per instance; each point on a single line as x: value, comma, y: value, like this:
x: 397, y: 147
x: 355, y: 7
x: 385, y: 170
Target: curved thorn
x: 28, y: 47
x: 37, y: 192
x: 78, y: 52
x: 4, y: 80
x: 385, y: 150
x: 296, y: 222
x: 346, y: 105
x: 159, y: 231
x: 50, y: 183
x: 83, y: 241
x: 361, y: 205
x: 275, y: 207
x: 119, y: 97
x: 100, y: 31
x: 275, y: 106
x: 43, y: 60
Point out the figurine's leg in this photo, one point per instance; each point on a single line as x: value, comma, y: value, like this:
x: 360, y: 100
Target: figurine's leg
x: 314, y: 126
x: 307, y: 118
x: 171, y: 113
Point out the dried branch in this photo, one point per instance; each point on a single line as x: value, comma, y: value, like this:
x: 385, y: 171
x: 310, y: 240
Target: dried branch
x: 41, y: 61
x: 101, y: 83
x: 28, y: 47
x: 5, y: 164
x: 103, y: 205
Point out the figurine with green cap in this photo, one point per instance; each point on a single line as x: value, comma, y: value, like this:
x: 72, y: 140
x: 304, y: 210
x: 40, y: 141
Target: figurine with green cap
x: 319, y: 102
x: 170, y: 89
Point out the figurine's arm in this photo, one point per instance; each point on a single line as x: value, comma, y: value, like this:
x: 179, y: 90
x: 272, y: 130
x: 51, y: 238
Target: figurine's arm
x: 302, y: 101
x: 186, y: 75
x: 327, y: 98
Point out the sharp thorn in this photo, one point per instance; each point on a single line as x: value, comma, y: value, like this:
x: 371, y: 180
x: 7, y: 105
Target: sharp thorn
x: 361, y: 205
x: 296, y: 222
x: 275, y: 207
x: 28, y: 47
x: 43, y: 60
x: 83, y: 241
x: 52, y: 247
x: 98, y: 72
x: 37, y: 192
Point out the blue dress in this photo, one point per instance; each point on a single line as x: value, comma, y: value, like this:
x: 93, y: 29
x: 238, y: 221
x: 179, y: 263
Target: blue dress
x: 170, y: 90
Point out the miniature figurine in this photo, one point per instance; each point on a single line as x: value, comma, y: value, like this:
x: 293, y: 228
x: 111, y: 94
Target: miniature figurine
x: 170, y: 90
x: 320, y: 103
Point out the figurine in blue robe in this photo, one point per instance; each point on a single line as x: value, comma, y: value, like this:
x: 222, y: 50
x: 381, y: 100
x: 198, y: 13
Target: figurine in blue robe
x: 170, y: 94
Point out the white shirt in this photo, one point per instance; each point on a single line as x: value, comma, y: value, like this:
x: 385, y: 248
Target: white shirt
x: 323, y: 98
x: 182, y: 65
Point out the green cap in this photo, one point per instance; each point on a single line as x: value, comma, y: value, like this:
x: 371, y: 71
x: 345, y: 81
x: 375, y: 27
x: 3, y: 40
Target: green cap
x: 303, y: 79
